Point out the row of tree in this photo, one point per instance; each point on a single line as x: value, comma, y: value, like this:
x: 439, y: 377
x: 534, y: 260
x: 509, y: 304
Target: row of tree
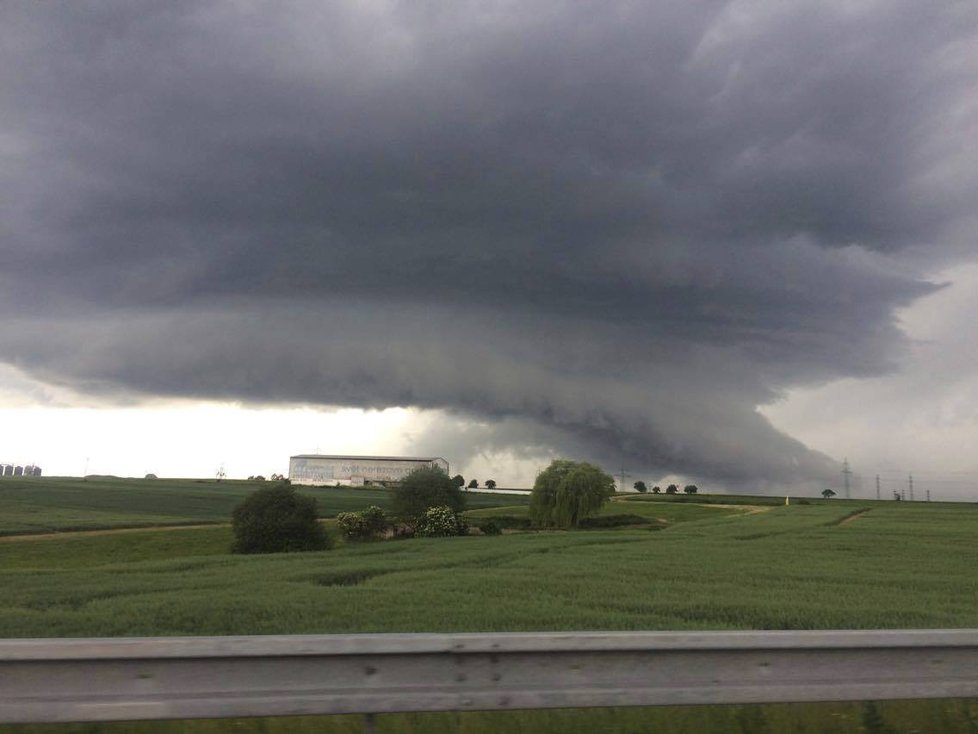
x: 671, y: 489
x: 459, y: 482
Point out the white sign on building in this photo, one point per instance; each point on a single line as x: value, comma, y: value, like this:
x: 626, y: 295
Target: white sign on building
x: 356, y: 470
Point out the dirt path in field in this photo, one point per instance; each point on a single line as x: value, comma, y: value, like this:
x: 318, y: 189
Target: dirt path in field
x: 854, y: 516
x: 747, y: 509
x: 107, y: 531
x: 116, y: 531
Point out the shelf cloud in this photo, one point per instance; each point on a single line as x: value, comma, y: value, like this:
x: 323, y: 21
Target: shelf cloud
x: 611, y: 228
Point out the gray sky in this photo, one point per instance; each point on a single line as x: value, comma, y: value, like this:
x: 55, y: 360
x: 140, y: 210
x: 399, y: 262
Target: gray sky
x: 619, y: 231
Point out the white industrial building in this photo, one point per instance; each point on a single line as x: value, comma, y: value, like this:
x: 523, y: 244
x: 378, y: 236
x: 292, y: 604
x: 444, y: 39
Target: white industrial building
x: 356, y: 470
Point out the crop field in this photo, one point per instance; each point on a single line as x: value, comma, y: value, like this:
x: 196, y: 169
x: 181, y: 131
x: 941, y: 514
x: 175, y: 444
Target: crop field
x: 39, y: 505
x: 693, y: 566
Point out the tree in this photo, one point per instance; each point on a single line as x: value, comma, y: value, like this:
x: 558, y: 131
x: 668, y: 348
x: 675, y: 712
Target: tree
x: 490, y: 484
x: 277, y: 520
x: 656, y: 489
x: 672, y: 489
x: 640, y: 486
x: 690, y: 489
x: 568, y: 491
x: 426, y: 487
x: 458, y: 480
x: 827, y: 493
x: 474, y: 484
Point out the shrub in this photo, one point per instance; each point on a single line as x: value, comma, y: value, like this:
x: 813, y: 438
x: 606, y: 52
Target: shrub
x: 277, y: 520
x: 399, y: 530
x: 474, y: 484
x: 362, y: 525
x: 514, y: 522
x: 568, y: 491
x: 424, y: 488
x: 490, y: 484
x: 613, y: 521
x: 490, y: 528
x: 350, y: 524
x: 440, y: 522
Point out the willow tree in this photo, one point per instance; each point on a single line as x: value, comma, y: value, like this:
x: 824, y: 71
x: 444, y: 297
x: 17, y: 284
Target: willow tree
x: 568, y: 491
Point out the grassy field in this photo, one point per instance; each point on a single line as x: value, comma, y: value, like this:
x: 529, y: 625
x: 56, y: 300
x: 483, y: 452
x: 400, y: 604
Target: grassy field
x: 715, y: 499
x: 798, y: 567
x: 39, y: 505
x: 821, y: 565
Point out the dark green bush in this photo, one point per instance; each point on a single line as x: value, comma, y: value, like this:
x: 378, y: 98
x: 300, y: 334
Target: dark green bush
x: 513, y: 522
x: 277, y: 520
x: 613, y: 521
x: 490, y: 528
x: 424, y: 488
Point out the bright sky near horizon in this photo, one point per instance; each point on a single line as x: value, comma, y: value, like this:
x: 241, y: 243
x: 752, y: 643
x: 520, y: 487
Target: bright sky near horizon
x: 67, y: 434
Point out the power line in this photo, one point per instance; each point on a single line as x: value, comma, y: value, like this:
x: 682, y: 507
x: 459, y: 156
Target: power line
x: 960, y: 477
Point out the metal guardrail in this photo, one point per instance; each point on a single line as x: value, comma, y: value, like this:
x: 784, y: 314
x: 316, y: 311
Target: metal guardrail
x: 60, y: 680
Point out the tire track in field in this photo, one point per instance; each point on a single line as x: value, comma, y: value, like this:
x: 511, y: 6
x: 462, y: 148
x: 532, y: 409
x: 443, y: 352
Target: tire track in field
x: 50, y: 535
x: 855, y: 515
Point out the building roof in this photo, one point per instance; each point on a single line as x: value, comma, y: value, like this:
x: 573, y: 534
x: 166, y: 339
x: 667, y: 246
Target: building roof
x: 370, y: 458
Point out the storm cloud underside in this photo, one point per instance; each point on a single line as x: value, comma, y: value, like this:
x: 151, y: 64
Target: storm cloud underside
x: 609, y: 228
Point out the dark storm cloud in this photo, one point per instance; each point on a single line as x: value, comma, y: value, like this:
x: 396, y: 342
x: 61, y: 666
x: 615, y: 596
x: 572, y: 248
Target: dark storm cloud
x: 625, y: 224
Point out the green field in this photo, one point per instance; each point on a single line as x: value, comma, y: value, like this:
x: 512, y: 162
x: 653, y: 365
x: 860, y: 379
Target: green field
x: 40, y: 505
x: 798, y: 567
x: 694, y: 566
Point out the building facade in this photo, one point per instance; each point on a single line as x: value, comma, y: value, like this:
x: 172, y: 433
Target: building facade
x: 357, y: 470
